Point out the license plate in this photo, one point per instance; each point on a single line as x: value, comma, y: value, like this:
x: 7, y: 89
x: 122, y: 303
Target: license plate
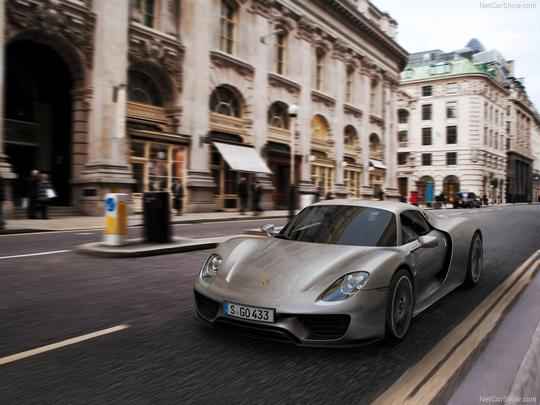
x: 248, y: 312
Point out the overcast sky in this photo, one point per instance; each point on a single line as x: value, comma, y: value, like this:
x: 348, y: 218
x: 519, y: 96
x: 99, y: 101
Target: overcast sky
x: 448, y: 25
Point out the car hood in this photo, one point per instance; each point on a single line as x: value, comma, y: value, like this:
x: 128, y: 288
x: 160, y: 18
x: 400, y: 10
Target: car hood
x: 277, y: 268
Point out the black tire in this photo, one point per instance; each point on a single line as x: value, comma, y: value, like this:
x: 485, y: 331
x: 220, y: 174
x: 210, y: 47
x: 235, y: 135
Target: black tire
x: 475, y: 262
x: 399, y: 306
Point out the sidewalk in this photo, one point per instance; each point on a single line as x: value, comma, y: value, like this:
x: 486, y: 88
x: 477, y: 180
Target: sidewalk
x: 85, y: 222
x: 507, y: 371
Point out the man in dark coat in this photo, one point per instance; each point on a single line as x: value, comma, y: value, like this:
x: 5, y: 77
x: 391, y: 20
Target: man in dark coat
x: 243, y: 195
x: 257, y: 194
x: 2, y: 199
x: 33, y: 194
x: 177, y: 190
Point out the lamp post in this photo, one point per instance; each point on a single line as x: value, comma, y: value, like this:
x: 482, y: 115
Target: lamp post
x: 293, y: 113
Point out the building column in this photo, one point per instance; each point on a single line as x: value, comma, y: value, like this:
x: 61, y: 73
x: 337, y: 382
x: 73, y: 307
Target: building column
x: 338, y: 127
x: 196, y: 96
x: 5, y: 167
x: 107, y: 168
x: 366, y: 190
x: 390, y: 135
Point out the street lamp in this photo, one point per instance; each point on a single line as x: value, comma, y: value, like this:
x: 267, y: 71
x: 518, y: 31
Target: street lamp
x: 293, y: 113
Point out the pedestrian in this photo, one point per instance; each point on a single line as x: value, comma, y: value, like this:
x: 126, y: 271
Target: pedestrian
x: 317, y: 195
x: 243, y: 195
x: 177, y: 191
x: 2, y: 198
x: 381, y: 194
x: 402, y: 199
x: 413, y: 199
x: 45, y: 194
x: 485, y: 200
x: 257, y: 194
x: 33, y: 191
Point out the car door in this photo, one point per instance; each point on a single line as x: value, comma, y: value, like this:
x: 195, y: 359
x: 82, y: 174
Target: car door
x: 428, y: 262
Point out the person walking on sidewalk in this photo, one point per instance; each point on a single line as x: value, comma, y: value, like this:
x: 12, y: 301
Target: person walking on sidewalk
x: 2, y: 199
x: 243, y: 195
x: 45, y: 194
x: 177, y: 190
x: 257, y: 194
x: 33, y: 191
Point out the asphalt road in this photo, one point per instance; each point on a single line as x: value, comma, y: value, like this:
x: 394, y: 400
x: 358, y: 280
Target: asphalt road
x: 166, y: 356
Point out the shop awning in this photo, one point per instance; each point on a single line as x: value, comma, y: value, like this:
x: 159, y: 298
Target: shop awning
x: 377, y: 164
x: 242, y: 158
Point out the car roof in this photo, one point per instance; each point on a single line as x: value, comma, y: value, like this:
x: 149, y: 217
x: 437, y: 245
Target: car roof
x: 393, y: 206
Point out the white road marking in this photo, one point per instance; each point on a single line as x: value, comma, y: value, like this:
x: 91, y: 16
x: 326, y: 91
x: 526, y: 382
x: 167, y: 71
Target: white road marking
x: 84, y: 233
x: 58, y: 345
x: 34, y: 254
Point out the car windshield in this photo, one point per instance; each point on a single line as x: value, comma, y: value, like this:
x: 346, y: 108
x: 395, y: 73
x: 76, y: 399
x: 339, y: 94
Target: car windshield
x: 342, y: 225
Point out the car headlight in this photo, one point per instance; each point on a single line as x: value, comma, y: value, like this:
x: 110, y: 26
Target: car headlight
x: 211, y: 267
x: 345, y: 287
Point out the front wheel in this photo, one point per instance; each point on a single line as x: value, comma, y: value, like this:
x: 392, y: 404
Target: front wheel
x: 399, y: 307
x: 475, y: 264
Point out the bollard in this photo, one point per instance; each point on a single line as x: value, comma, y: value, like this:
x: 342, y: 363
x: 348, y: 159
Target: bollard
x: 116, y: 219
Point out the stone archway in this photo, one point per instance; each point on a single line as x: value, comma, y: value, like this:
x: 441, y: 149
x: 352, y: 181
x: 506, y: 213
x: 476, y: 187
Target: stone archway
x: 45, y: 111
x: 450, y: 188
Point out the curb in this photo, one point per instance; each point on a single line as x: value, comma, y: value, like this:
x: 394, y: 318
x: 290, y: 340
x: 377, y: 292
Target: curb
x: 433, y: 379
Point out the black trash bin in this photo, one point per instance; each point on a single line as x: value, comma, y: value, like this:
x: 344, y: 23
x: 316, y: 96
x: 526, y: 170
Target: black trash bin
x: 156, y: 217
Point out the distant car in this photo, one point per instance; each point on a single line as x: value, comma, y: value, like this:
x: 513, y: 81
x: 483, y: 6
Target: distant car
x: 341, y: 272
x: 467, y: 200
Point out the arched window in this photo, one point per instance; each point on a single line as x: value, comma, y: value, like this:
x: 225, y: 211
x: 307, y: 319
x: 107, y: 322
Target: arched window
x: 228, y: 26
x: 375, y: 149
x: 349, y: 85
x: 350, y: 137
x: 281, y: 52
x: 278, y: 115
x: 403, y: 116
x: 373, y: 95
x: 143, y: 89
x: 226, y: 102
x: 320, y: 128
x: 320, y: 57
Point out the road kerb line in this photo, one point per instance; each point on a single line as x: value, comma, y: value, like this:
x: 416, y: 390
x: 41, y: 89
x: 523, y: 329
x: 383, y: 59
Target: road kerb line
x: 53, y: 346
x: 53, y: 252
x: 425, y: 382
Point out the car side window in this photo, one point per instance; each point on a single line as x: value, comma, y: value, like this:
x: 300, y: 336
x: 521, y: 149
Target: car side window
x: 413, y: 225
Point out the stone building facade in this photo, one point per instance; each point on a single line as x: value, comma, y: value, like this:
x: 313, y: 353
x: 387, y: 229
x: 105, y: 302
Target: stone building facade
x: 453, y: 131
x: 127, y: 96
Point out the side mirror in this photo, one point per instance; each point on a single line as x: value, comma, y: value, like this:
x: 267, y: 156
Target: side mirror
x: 269, y: 230
x: 428, y: 242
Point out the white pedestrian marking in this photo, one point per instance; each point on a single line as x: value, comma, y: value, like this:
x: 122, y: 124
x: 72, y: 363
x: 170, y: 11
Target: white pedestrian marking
x: 58, y: 345
x: 34, y: 254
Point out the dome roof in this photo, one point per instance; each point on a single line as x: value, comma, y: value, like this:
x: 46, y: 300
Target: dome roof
x: 475, y: 45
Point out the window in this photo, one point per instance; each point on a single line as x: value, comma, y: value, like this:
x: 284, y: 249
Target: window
x: 426, y: 136
x: 403, y: 116
x: 342, y: 225
x: 496, y: 141
x: 427, y: 91
x: 451, y: 159
x: 413, y: 225
x: 146, y: 8
x: 278, y: 115
x: 451, y: 109
x: 426, y: 159
x: 426, y: 112
x: 228, y: 17
x: 403, y: 158
x: 403, y: 138
x: 350, y: 137
x: 224, y: 101
x: 451, y: 89
x: 408, y: 74
x: 281, y: 52
x: 349, y: 85
x: 451, y: 134
x: 142, y: 89
x: 319, y: 69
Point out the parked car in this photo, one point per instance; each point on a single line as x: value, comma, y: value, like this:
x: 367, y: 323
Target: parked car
x: 340, y: 272
x: 467, y: 200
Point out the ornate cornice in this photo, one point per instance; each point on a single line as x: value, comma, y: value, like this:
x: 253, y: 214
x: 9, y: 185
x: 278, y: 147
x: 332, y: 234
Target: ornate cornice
x: 262, y: 7
x: 325, y: 99
x: 305, y: 28
x: 279, y: 81
x: 146, y: 46
x: 375, y: 119
x: 341, y: 50
x: 73, y: 22
x: 352, y: 110
x: 223, y: 60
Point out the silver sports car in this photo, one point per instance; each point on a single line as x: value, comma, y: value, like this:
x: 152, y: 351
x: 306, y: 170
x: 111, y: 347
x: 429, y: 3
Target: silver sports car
x: 341, y: 272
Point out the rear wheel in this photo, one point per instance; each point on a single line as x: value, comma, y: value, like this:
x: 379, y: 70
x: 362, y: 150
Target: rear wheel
x: 399, y: 307
x: 475, y: 263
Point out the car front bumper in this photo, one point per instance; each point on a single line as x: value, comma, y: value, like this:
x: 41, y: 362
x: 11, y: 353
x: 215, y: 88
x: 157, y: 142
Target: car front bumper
x: 357, y: 320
